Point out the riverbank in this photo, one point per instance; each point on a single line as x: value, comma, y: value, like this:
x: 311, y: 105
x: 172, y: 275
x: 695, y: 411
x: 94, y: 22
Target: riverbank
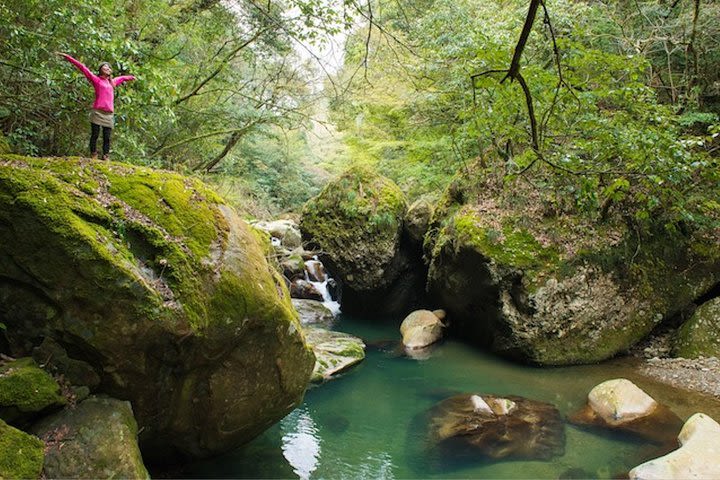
x: 698, y: 374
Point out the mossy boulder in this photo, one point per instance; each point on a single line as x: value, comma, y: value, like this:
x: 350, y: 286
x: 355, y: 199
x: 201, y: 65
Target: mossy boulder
x: 335, y: 352
x: 555, y: 289
x: 700, y: 335
x: 95, y: 439
x: 21, y: 455
x: 357, y: 224
x: 157, y: 284
x: 27, y: 389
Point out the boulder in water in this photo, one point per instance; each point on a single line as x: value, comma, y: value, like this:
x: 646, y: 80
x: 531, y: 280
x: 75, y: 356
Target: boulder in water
x: 420, y: 329
x: 620, y: 405
x: 315, y: 271
x: 698, y: 456
x: 293, y: 267
x: 152, y: 280
x: 553, y: 289
x: 496, y: 427
x: 95, y: 439
x: 335, y: 352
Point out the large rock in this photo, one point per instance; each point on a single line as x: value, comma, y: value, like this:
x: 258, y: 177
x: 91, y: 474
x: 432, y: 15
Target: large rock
x: 417, y: 220
x: 357, y: 222
x: 420, y: 329
x: 21, y: 455
x: 700, y: 335
x: 152, y: 280
x: 619, y: 404
x: 698, y: 456
x: 556, y: 290
x: 496, y: 427
x: 95, y: 439
x: 26, y: 389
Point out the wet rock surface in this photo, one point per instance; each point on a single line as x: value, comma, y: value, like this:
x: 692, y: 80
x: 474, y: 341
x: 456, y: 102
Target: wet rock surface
x: 621, y: 406
x: 496, y: 427
x: 335, y: 352
x: 698, y: 456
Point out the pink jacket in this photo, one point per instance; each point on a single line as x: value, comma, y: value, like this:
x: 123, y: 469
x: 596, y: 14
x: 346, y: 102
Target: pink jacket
x: 104, y: 87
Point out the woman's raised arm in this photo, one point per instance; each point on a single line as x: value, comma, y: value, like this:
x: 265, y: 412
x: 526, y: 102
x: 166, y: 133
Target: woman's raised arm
x: 85, y: 71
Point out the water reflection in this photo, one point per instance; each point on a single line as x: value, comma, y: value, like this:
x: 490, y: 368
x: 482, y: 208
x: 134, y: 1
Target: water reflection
x: 301, y: 442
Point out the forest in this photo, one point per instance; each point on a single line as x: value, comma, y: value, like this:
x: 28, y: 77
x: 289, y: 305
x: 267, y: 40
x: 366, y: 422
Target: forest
x: 538, y: 178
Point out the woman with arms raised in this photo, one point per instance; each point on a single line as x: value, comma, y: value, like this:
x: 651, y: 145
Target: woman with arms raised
x: 102, y: 110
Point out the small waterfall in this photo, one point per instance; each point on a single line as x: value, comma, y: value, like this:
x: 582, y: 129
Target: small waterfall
x: 320, y: 280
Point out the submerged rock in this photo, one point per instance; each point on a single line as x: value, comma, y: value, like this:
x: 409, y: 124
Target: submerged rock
x: 420, y: 329
x: 157, y: 284
x: 335, y: 352
x: 698, y: 456
x: 357, y: 222
x: 700, y: 335
x: 95, y: 439
x: 496, y: 427
x: 21, y: 455
x: 620, y: 405
x: 313, y: 312
x: 26, y: 390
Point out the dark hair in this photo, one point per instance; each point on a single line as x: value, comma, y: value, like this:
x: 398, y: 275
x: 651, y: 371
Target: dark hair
x: 102, y: 65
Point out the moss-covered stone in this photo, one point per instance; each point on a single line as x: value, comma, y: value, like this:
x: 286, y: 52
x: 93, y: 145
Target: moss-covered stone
x: 700, y: 335
x: 357, y: 220
x: 21, y: 455
x: 148, y: 276
x: 4, y: 145
x: 25, y: 387
x: 335, y: 352
x: 553, y: 289
x: 357, y: 224
x: 96, y: 439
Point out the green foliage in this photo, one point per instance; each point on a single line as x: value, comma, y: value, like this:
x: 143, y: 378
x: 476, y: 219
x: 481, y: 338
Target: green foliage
x: 215, y: 83
x: 609, y: 144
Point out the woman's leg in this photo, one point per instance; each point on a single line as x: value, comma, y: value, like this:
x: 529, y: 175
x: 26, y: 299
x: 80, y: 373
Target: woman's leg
x: 94, y: 132
x: 106, y: 141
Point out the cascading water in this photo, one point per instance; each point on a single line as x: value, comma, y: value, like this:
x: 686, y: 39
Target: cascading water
x: 316, y: 274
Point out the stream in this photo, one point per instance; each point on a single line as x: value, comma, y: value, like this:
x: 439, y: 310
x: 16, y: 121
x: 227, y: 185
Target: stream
x: 369, y: 423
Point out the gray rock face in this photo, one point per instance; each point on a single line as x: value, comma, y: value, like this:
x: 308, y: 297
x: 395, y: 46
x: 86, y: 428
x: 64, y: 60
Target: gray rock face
x: 496, y: 427
x: 96, y: 439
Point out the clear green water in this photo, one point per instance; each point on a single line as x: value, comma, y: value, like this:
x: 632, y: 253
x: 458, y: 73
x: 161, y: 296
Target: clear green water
x: 368, y: 424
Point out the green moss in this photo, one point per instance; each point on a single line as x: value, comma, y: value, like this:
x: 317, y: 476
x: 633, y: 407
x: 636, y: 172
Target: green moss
x: 513, y: 246
x: 21, y: 455
x: 359, y: 202
x: 26, y: 386
x: 700, y: 335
